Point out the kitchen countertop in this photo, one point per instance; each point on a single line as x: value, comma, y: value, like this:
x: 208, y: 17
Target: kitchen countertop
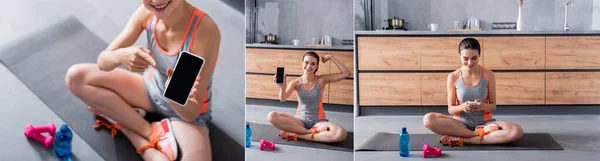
x: 478, y: 33
x: 302, y: 47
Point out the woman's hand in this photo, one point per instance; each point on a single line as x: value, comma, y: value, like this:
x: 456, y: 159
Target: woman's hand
x: 468, y: 107
x: 192, y: 92
x: 281, y: 85
x: 136, y: 58
x: 325, y: 58
x: 477, y: 106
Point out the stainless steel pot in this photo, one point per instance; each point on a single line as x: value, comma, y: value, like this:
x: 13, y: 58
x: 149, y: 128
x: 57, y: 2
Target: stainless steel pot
x: 270, y: 38
x: 396, y: 23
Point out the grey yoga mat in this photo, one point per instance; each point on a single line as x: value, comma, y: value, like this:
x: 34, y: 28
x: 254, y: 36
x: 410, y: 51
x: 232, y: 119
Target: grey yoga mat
x: 270, y: 133
x: 389, y: 142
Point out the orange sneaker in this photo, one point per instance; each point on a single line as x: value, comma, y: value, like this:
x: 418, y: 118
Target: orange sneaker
x: 110, y: 123
x: 487, y: 129
x: 451, y: 140
x: 161, y: 138
x: 288, y: 135
x: 315, y: 130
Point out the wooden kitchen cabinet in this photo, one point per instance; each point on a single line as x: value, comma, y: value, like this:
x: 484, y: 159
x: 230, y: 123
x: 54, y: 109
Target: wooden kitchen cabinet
x: 384, y: 89
x: 434, y: 91
x: 263, y: 87
x: 572, y: 88
x: 267, y: 61
x: 514, y: 52
x: 573, y: 52
x: 342, y: 92
x: 520, y: 88
x: 442, y: 53
x: 346, y: 57
x: 388, y: 53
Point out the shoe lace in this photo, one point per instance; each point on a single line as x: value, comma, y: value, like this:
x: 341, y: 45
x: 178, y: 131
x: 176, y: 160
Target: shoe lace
x: 102, y: 123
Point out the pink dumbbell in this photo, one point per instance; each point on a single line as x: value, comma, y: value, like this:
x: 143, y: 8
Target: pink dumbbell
x: 429, y: 151
x: 48, y: 141
x: 30, y: 129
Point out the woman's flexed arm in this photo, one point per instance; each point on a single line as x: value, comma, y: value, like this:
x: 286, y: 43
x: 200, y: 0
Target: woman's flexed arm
x: 336, y: 77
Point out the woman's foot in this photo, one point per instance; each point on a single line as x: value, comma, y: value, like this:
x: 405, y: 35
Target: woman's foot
x: 161, y: 138
x: 487, y: 129
x: 288, y: 135
x: 110, y: 123
x: 315, y: 130
x: 451, y: 140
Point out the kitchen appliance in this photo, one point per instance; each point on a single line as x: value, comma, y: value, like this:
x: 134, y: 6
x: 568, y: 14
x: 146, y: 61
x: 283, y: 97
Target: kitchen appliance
x: 270, y: 39
x: 504, y: 25
x: 395, y: 24
x: 347, y: 42
x: 471, y: 23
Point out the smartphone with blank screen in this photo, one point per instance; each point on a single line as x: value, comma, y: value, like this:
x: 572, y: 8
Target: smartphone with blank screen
x: 279, y: 75
x: 182, y: 81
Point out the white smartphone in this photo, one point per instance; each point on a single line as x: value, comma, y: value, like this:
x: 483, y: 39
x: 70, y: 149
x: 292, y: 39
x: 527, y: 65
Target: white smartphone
x: 187, y: 69
x: 473, y: 103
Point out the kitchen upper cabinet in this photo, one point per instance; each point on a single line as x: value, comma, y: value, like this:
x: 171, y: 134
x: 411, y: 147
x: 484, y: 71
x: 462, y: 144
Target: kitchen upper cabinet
x: 514, y: 52
x: 347, y: 58
x: 572, y: 88
x: 384, y: 89
x: 568, y: 52
x: 267, y: 61
x: 389, y: 53
x: 441, y: 53
x: 520, y: 88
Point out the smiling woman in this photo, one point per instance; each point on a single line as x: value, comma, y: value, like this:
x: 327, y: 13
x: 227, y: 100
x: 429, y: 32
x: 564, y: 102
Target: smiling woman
x: 171, y: 26
x: 310, y: 121
x: 471, y: 100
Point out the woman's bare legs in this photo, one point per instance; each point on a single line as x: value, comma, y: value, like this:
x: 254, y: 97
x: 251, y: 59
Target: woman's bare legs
x: 336, y: 133
x: 287, y: 122
x: 446, y: 125
x: 113, y: 94
x: 193, y: 141
x: 509, y: 133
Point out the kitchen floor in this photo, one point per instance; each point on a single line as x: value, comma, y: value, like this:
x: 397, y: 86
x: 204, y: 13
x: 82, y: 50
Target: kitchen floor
x: 579, y: 135
x: 258, y: 114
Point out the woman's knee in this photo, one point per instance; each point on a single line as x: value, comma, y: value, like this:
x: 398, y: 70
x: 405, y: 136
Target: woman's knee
x: 516, y: 132
x: 429, y: 119
x: 76, y: 75
x: 273, y: 116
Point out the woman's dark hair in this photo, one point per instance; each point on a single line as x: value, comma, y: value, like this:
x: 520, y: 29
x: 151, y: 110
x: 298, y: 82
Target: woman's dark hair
x: 313, y: 54
x: 469, y: 43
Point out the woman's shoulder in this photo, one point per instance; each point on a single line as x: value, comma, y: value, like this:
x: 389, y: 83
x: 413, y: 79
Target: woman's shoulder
x: 141, y: 16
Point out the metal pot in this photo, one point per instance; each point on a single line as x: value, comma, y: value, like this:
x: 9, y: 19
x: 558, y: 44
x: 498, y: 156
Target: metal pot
x: 271, y: 38
x: 396, y: 23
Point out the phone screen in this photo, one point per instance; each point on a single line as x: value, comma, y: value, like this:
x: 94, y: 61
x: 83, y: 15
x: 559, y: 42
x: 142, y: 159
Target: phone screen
x: 280, y: 74
x: 186, y: 70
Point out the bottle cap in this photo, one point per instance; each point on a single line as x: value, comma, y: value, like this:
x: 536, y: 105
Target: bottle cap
x: 404, y: 129
x: 64, y: 128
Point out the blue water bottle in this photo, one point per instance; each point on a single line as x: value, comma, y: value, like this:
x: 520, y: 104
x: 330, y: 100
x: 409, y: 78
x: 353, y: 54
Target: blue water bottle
x: 404, y: 143
x: 62, y: 142
x: 248, y: 135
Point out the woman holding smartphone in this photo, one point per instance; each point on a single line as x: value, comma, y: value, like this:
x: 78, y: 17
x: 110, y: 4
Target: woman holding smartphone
x: 310, y: 121
x: 471, y: 100
x: 171, y: 26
